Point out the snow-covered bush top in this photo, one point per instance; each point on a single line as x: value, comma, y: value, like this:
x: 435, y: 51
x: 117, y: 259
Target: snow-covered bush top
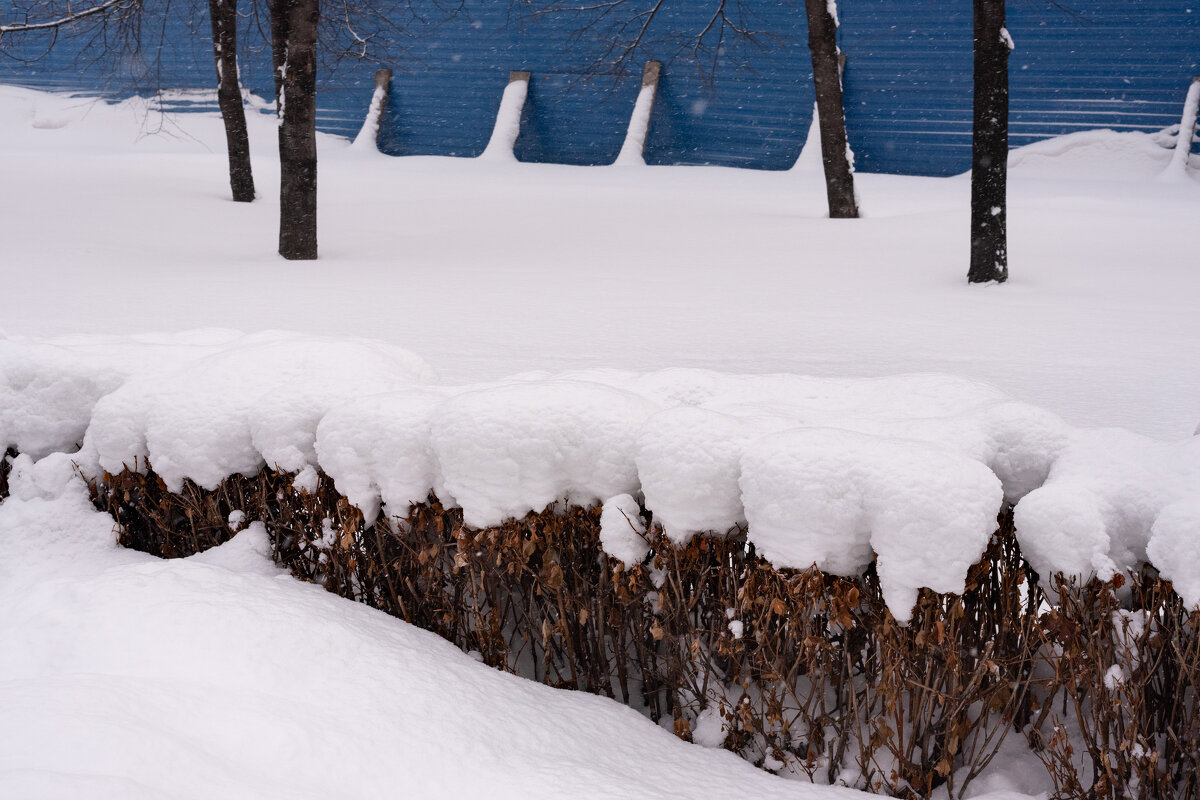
x: 910, y: 470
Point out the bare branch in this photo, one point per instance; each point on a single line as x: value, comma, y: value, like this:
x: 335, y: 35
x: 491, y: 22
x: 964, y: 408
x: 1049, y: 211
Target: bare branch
x: 109, y: 6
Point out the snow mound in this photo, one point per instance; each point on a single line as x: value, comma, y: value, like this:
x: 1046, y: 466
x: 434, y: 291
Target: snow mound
x: 257, y: 402
x: 377, y: 450
x: 688, y: 459
x: 1095, y: 154
x: 1114, y: 500
x: 48, y: 389
x: 509, y: 449
x: 832, y: 498
x: 622, y: 531
x: 46, y: 397
x: 1174, y: 547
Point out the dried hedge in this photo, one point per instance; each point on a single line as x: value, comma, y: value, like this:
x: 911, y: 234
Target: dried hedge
x: 797, y: 671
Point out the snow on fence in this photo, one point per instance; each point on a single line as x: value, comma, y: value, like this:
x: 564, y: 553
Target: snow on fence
x: 633, y: 151
x: 807, y: 571
x: 368, y: 135
x: 1178, y: 168
x: 508, y: 119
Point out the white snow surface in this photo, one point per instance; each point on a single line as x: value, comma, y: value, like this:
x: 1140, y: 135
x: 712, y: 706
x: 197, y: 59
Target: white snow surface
x: 633, y: 149
x: 1113, y: 500
x: 510, y: 449
x: 368, y: 136
x: 835, y: 499
x: 622, y: 530
x: 508, y: 123
x: 568, y: 267
x: 252, y: 404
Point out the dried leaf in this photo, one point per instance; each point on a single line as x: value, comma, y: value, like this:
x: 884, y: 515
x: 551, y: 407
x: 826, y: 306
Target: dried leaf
x: 683, y: 728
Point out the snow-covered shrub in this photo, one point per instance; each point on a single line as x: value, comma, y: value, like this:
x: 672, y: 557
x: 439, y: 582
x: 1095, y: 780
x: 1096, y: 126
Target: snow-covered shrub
x: 804, y: 673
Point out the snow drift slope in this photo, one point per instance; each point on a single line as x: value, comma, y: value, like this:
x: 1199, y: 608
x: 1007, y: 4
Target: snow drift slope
x: 218, y: 676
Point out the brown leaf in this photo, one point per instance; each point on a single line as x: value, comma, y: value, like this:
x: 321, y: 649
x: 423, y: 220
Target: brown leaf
x: 683, y: 728
x: 552, y: 576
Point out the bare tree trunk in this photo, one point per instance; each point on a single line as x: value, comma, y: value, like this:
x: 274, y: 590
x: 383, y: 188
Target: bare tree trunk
x: 294, y: 50
x: 223, y: 15
x: 989, y: 146
x: 831, y: 115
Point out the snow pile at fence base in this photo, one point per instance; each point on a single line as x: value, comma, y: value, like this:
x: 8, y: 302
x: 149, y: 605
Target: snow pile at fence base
x: 909, y: 471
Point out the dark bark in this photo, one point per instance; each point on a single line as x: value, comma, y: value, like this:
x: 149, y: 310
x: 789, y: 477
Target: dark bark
x: 294, y: 50
x: 277, y: 12
x: 989, y: 146
x: 223, y: 14
x: 827, y: 80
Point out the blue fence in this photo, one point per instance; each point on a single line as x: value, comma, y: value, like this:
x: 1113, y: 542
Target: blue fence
x: 728, y: 98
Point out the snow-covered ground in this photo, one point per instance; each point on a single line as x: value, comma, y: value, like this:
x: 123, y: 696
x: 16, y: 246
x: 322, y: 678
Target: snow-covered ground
x: 124, y: 676
x: 487, y: 269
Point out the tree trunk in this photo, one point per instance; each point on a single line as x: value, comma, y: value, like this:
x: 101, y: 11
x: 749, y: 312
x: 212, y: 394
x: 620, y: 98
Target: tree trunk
x: 223, y: 15
x: 294, y: 51
x: 989, y: 146
x: 831, y: 116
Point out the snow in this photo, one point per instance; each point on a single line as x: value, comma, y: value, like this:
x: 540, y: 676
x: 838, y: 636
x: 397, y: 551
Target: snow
x: 221, y: 676
x: 254, y: 403
x: 377, y: 449
x: 622, y: 531
x: 833, y: 498
x: 1099, y: 508
x: 510, y: 449
x: 699, y: 338
x: 1094, y: 155
x: 508, y: 123
x: 1174, y: 547
x: 639, y: 123
x: 1177, y: 170
x: 569, y: 267
x: 688, y: 459
x: 48, y: 390
x: 909, y: 471
x: 809, y: 159
x: 368, y: 136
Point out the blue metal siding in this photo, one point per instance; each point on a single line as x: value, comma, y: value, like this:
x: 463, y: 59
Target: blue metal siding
x: 1079, y: 64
